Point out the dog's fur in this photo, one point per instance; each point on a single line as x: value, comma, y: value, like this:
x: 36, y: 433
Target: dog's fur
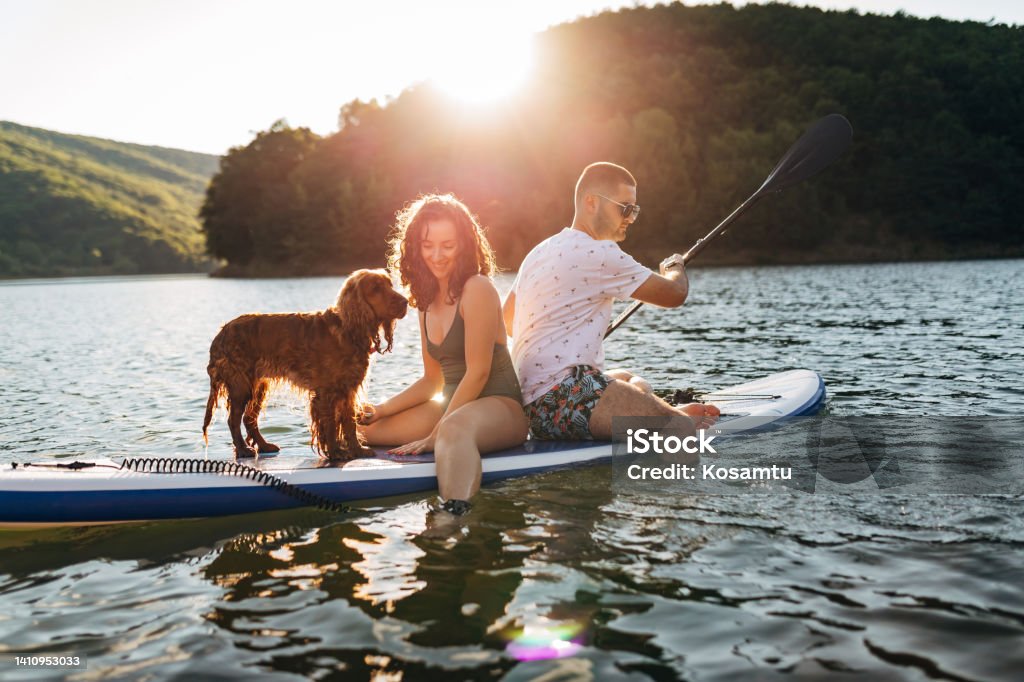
x: 326, y: 353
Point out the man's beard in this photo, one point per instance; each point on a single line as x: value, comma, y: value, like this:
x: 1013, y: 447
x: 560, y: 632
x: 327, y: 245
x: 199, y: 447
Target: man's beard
x: 608, y: 228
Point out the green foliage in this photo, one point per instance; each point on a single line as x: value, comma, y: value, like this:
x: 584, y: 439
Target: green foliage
x: 252, y: 201
x: 700, y: 103
x: 72, y: 205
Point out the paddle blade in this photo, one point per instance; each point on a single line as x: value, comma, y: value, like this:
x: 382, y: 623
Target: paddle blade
x: 822, y: 144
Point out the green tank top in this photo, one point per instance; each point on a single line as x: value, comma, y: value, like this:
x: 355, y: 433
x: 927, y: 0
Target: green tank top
x: 451, y: 354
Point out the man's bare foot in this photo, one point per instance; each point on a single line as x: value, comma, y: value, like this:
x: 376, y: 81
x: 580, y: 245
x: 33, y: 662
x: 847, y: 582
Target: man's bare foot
x: 703, y: 416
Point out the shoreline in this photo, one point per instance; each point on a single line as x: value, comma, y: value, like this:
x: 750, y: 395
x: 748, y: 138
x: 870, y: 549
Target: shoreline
x: 738, y: 259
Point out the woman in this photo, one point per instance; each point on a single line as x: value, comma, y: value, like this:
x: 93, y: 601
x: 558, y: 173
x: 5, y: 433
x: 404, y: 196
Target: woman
x: 444, y: 260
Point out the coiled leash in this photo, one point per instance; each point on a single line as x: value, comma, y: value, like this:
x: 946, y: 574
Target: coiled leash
x: 176, y: 465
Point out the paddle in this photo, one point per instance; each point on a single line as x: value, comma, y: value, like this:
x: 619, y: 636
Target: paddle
x: 817, y: 148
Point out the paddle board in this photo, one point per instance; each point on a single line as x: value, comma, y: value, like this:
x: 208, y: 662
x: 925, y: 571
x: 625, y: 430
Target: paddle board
x: 103, y: 491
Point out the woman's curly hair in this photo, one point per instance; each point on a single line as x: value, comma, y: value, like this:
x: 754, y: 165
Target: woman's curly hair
x: 405, y: 255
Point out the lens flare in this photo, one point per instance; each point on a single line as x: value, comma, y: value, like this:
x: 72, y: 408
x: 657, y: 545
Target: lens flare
x: 491, y: 69
x: 538, y: 643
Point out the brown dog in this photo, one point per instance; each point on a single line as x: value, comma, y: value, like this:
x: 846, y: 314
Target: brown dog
x: 326, y: 353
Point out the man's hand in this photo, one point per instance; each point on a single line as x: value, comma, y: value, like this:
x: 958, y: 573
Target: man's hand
x: 673, y: 264
x: 667, y: 289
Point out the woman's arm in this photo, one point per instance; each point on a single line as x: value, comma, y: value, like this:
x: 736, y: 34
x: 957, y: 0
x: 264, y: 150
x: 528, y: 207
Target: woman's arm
x: 421, y: 390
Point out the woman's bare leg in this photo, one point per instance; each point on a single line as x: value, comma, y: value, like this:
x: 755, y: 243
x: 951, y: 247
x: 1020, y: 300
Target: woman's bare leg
x: 484, y: 425
x: 406, y: 426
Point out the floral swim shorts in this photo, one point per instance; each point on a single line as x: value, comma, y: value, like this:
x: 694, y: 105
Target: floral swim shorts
x: 563, y: 413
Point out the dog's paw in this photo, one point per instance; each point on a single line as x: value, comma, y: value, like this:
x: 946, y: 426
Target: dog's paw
x: 268, y: 447
x: 244, y: 453
x: 338, y: 455
x: 363, y: 451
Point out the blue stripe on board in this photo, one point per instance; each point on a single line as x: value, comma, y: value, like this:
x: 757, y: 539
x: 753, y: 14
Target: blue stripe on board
x: 184, y: 503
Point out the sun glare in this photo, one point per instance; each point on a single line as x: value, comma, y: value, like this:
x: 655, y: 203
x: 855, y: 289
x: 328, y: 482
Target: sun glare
x: 485, y: 71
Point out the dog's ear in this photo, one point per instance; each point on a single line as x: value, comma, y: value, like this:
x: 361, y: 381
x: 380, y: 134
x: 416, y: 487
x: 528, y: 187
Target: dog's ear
x: 359, y: 322
x: 388, y: 327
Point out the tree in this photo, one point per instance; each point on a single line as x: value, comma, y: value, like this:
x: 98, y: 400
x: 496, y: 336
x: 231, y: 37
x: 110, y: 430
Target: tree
x: 251, y: 203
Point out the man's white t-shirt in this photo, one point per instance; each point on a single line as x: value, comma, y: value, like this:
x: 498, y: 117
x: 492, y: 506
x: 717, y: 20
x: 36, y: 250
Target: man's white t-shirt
x: 564, y: 293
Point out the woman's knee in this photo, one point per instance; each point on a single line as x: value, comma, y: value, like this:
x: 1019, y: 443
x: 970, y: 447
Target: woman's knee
x: 484, y: 425
x: 452, y: 429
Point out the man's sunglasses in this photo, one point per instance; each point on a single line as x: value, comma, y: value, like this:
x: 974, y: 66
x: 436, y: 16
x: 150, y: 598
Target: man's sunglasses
x: 631, y: 211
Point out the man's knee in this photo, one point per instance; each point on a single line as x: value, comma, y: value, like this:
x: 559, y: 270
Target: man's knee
x: 620, y: 390
x: 642, y: 384
x: 631, y: 379
x: 626, y: 399
x: 620, y: 374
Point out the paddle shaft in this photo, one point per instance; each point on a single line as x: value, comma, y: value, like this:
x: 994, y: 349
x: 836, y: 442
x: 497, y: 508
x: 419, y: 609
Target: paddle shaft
x: 694, y: 250
x: 819, y: 146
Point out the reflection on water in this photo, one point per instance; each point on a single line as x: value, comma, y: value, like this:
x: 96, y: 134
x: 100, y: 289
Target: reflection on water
x: 557, y: 575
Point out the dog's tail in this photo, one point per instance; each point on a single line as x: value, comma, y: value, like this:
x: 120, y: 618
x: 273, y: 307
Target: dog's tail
x: 216, y: 388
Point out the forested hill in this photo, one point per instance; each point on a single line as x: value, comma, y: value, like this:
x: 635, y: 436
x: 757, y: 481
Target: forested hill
x: 73, y: 205
x: 699, y: 102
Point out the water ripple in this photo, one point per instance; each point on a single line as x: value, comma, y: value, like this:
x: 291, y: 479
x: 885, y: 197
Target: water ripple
x: 590, y: 582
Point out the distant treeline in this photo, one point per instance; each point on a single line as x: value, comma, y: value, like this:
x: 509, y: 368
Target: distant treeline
x: 74, y: 205
x: 699, y: 102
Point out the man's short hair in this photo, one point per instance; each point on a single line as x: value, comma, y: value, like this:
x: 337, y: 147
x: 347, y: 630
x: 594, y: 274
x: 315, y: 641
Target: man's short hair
x: 602, y: 177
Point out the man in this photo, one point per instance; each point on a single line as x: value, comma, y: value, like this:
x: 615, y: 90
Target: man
x: 561, y: 303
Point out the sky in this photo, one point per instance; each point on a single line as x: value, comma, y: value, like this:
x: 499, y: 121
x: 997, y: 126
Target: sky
x: 205, y: 75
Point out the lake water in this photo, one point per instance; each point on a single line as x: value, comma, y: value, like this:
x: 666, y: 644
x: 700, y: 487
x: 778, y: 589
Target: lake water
x: 556, y: 575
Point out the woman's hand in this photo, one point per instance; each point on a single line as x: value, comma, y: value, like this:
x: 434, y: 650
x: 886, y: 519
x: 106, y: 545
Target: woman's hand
x: 370, y: 413
x: 415, y: 448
